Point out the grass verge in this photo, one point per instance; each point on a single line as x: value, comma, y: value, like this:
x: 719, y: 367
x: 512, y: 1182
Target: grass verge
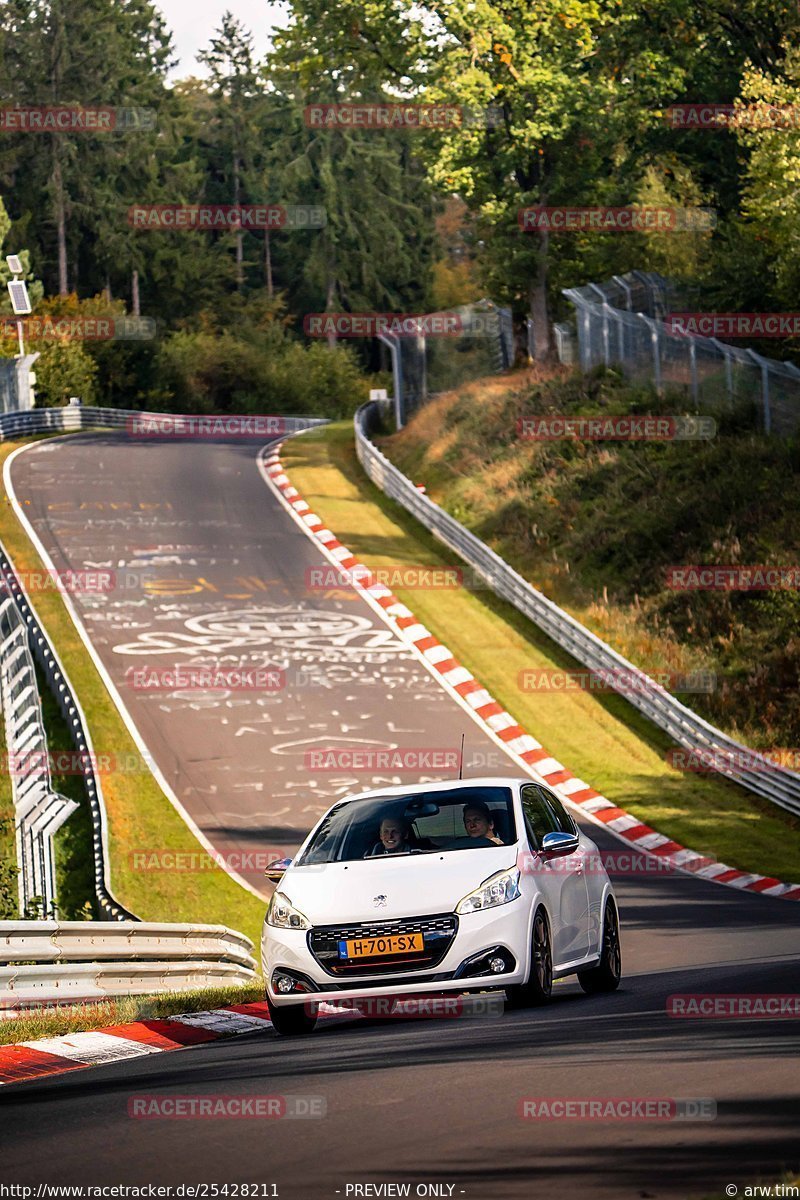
x: 139, y: 814
x: 77, y: 1018
x: 604, y: 740
x: 9, y: 898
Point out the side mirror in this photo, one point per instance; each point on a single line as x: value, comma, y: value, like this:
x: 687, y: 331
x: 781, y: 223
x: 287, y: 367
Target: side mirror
x: 275, y: 871
x: 560, y: 843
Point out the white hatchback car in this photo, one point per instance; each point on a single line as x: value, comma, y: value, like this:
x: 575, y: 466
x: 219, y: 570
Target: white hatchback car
x: 460, y: 886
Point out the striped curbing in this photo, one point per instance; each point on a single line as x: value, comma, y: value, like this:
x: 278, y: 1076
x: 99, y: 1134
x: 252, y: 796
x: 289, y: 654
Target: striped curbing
x: 501, y: 726
x: 116, y: 1043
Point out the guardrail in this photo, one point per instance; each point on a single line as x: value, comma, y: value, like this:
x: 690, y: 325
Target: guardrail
x: 689, y: 731
x: 77, y: 960
x: 60, y: 686
x: 39, y: 810
x: 76, y: 417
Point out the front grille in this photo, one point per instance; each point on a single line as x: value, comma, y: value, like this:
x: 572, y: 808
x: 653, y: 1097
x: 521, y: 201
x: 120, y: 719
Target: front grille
x: 437, y: 932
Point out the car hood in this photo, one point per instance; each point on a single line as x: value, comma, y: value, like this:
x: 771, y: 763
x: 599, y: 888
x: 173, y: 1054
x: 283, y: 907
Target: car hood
x: 414, y: 886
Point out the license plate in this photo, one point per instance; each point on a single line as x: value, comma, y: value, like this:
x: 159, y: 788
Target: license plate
x: 378, y: 947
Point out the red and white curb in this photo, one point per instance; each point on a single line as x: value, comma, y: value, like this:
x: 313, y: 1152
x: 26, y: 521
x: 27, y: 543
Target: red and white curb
x: 116, y: 1043
x: 499, y: 724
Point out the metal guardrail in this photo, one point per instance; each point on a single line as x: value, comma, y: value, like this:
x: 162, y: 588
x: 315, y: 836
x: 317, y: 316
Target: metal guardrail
x: 39, y: 810
x: 689, y: 731
x: 60, y: 686
x: 77, y: 960
x: 76, y: 417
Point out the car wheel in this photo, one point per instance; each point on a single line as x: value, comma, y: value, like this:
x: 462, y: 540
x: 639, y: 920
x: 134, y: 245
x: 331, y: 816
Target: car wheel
x: 606, y: 975
x: 539, y: 988
x: 292, y: 1020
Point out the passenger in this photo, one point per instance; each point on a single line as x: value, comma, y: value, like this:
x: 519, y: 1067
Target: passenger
x: 479, y: 822
x: 393, y: 834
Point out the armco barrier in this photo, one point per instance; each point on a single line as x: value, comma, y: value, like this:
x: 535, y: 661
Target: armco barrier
x: 686, y: 729
x: 76, y: 417
x: 48, y: 961
x: 72, y: 713
x: 38, y: 810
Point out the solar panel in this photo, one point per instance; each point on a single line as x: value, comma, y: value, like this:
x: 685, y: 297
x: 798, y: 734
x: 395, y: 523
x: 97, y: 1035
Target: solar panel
x: 20, y: 302
x: 14, y: 264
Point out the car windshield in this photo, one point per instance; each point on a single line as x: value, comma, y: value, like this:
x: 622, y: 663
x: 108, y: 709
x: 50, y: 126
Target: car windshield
x: 464, y: 818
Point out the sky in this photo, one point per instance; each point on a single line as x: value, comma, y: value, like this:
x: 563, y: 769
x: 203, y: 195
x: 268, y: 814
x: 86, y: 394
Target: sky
x: 193, y: 22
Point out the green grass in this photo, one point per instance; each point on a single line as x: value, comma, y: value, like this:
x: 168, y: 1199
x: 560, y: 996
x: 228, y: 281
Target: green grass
x: 601, y: 739
x: 77, y: 1018
x: 9, y: 902
x: 596, y: 526
x: 139, y: 814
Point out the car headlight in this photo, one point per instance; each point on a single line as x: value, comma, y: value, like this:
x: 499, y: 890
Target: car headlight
x: 498, y: 889
x: 282, y: 914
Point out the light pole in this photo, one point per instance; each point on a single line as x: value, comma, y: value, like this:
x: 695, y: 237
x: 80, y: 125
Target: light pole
x: 20, y: 300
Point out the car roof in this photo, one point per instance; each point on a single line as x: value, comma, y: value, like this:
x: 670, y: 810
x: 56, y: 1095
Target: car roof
x: 412, y: 789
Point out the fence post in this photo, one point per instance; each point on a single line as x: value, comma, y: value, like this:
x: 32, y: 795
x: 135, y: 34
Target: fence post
x: 764, y: 365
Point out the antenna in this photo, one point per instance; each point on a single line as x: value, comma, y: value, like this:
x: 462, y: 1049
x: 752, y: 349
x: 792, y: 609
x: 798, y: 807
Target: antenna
x: 461, y: 758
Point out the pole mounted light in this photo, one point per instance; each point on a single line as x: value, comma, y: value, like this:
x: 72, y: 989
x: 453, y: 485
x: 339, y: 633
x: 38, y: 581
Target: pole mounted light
x: 18, y: 291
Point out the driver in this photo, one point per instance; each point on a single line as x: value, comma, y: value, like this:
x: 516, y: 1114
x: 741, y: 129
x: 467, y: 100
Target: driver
x: 479, y: 822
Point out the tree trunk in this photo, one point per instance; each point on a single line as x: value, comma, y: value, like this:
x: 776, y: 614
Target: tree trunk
x: 239, y: 234
x: 268, y: 264
x: 537, y: 300
x: 328, y: 302
x: 61, y: 221
x: 135, y: 305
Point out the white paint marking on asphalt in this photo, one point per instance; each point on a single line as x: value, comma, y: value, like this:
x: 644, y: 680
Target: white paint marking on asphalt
x: 93, y: 1047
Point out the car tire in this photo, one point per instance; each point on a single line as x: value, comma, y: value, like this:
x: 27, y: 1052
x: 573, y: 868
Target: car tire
x: 606, y: 975
x: 539, y: 988
x: 292, y: 1020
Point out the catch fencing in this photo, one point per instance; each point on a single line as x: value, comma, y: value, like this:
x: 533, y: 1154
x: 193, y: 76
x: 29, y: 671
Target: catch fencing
x: 64, y: 962
x: 423, y: 366
x: 687, y: 730
x: 622, y: 323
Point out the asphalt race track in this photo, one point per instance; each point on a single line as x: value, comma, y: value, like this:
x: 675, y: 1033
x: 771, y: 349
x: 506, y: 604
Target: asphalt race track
x: 406, y: 1101
x: 209, y: 570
